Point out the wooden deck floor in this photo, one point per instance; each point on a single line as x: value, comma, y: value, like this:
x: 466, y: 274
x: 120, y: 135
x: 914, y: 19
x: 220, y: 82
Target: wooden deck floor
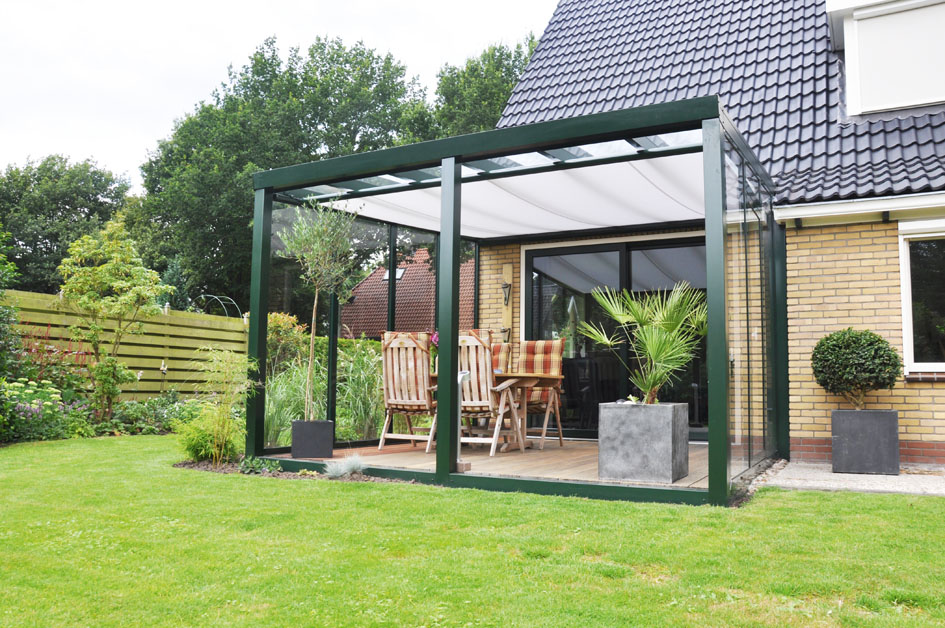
x: 577, y: 460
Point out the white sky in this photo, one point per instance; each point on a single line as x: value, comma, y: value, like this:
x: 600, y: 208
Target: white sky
x: 106, y: 80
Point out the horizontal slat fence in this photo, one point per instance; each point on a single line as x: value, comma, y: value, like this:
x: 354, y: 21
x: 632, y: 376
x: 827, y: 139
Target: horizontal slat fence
x: 174, y: 338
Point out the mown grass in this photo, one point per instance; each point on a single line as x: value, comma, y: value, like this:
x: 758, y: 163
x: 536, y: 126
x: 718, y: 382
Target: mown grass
x: 106, y: 533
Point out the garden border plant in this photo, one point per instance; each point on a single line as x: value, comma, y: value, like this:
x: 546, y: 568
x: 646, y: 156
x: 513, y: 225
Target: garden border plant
x: 852, y: 363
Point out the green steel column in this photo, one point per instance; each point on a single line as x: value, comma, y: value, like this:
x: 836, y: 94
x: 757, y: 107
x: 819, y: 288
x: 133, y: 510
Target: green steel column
x: 717, y: 342
x: 781, y: 377
x: 258, y: 313
x: 391, y: 277
x: 448, y: 320
x: 332, y: 384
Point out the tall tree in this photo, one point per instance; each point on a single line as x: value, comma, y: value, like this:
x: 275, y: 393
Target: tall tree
x: 48, y: 205
x: 331, y: 100
x: 471, y: 97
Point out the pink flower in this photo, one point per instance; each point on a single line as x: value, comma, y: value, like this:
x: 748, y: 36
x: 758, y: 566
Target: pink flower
x: 435, y: 339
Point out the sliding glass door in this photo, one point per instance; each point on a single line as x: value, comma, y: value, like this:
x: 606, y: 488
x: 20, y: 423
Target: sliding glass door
x: 559, y: 286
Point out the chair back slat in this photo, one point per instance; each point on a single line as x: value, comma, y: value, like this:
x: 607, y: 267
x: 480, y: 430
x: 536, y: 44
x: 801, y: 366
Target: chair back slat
x: 475, y: 356
x: 406, y: 366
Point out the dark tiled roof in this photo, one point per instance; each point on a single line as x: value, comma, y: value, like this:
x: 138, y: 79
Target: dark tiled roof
x: 770, y: 63
x: 415, y: 302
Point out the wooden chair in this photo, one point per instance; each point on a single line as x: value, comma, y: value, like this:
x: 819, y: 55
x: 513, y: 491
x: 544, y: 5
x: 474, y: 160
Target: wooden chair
x: 408, y: 388
x: 544, y: 357
x: 481, y: 398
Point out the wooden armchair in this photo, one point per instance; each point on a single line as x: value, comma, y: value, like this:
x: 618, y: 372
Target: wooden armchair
x: 545, y: 357
x: 482, y: 398
x: 408, y: 388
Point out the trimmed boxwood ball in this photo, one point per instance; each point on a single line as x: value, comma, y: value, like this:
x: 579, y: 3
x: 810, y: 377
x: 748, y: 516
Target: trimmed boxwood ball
x: 852, y: 363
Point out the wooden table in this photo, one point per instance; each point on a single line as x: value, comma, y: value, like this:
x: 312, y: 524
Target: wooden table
x: 522, y: 383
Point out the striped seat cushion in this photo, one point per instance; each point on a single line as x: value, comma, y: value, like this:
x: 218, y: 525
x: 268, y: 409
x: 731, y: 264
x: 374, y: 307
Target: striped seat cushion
x: 501, y: 356
x: 541, y: 356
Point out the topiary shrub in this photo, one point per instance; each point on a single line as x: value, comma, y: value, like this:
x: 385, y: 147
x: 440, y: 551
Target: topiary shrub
x: 852, y: 363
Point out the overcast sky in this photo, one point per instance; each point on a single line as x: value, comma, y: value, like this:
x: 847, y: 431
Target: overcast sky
x: 106, y: 80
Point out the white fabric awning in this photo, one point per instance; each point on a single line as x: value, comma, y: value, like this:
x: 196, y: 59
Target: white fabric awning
x: 662, y: 189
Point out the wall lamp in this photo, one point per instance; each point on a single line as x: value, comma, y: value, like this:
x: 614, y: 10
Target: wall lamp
x: 506, y: 293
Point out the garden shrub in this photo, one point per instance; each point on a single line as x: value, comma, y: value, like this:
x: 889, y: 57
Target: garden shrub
x: 32, y: 410
x: 851, y: 363
x: 65, y: 366
x: 9, y: 339
x: 286, y: 342
x: 211, y: 436
x: 156, y: 415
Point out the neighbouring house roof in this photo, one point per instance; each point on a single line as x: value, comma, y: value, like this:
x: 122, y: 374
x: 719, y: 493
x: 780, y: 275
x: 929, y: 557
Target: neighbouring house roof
x: 415, y: 302
x: 770, y: 62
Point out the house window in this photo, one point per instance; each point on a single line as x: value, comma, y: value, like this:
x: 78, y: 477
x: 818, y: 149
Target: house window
x: 888, y: 50
x: 922, y: 269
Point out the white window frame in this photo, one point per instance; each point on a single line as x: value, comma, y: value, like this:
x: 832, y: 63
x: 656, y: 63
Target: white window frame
x: 908, y: 231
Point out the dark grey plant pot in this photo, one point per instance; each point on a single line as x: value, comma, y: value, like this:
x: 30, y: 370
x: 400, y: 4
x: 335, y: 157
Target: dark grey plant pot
x: 312, y: 439
x: 645, y: 443
x: 865, y: 441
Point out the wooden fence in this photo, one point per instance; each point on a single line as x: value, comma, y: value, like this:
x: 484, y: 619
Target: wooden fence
x: 171, y: 339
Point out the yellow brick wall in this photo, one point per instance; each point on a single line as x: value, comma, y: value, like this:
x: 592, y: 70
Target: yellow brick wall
x: 491, y: 260
x: 848, y: 276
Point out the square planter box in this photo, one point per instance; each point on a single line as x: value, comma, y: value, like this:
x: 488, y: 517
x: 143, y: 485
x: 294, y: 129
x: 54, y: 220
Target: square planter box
x: 865, y: 441
x: 312, y: 439
x: 646, y: 443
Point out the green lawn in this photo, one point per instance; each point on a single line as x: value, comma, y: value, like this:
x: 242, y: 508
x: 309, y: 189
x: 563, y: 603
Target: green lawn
x: 106, y: 533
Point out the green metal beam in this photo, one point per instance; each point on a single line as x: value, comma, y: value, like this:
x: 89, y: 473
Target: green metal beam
x: 650, y: 120
x: 717, y: 358
x: 391, y: 277
x: 331, y: 386
x: 448, y: 257
x: 781, y: 376
x: 258, y: 313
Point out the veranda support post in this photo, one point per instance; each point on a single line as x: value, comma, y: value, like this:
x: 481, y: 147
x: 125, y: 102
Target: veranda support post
x: 258, y: 321
x: 448, y: 320
x: 717, y: 340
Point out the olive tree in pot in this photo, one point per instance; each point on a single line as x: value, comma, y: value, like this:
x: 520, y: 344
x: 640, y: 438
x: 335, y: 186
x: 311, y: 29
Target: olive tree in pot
x: 321, y: 241
x: 851, y: 363
x: 646, y: 440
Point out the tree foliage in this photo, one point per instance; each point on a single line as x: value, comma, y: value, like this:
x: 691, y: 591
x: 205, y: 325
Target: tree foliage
x: 106, y: 284
x: 49, y: 204
x: 321, y: 242
x: 852, y: 363
x: 9, y: 338
x: 471, y: 97
x: 327, y: 101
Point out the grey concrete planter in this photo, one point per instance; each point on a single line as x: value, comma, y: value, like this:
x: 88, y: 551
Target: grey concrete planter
x: 646, y: 443
x: 865, y: 441
x: 312, y: 439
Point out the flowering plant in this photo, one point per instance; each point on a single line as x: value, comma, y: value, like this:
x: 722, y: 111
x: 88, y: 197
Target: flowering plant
x: 34, y: 410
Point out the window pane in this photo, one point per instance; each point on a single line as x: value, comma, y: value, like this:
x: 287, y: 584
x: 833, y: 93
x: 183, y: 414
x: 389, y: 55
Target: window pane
x: 927, y: 266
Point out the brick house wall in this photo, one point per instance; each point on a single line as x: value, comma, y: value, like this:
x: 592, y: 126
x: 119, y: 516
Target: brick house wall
x: 848, y: 276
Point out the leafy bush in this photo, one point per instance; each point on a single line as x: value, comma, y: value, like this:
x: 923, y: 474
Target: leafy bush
x: 31, y: 410
x: 228, y: 374
x: 156, y: 415
x: 65, y: 366
x: 258, y: 466
x: 360, y: 406
x: 286, y: 342
x: 9, y: 339
x: 211, y: 436
x: 852, y: 363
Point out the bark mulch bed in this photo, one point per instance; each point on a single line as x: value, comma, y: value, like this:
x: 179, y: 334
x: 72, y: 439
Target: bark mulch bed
x: 234, y: 467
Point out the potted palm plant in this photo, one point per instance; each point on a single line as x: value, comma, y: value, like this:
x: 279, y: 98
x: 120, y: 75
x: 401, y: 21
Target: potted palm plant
x: 321, y: 242
x: 646, y: 440
x: 852, y: 363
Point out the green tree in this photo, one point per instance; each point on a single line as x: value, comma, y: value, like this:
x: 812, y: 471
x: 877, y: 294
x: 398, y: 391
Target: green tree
x: 49, y: 204
x: 330, y: 100
x: 471, y: 97
x: 321, y: 242
x: 105, y: 282
x: 9, y: 338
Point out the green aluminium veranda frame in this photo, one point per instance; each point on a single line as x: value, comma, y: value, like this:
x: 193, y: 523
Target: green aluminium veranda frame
x: 719, y: 137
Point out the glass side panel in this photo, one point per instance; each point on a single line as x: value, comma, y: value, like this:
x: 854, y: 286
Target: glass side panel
x: 927, y: 271
x: 661, y: 269
x: 561, y: 300
x: 415, y: 309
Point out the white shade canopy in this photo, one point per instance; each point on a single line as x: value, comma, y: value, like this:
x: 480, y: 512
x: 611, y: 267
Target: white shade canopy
x: 663, y: 189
